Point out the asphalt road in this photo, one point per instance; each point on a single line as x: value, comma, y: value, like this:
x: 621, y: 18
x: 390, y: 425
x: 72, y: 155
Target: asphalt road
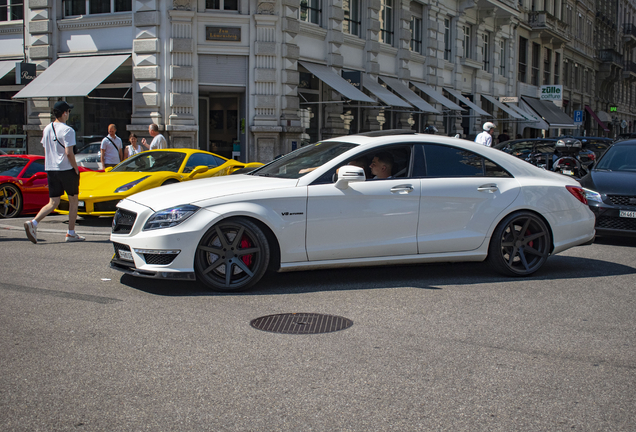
x: 449, y: 347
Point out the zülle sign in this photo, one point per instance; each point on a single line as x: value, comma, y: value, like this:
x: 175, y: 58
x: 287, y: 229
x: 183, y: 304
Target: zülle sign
x: 551, y: 92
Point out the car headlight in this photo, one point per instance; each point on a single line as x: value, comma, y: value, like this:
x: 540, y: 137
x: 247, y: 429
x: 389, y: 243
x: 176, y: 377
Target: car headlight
x: 130, y: 185
x: 170, y: 217
x: 592, y: 195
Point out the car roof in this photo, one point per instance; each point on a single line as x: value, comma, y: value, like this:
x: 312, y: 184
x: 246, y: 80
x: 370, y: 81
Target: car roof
x: 628, y: 142
x: 25, y: 156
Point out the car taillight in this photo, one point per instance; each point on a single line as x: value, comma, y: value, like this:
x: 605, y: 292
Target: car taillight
x: 578, y: 193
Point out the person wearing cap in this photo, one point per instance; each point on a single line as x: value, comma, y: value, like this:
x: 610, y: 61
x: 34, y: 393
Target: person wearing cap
x: 485, y: 138
x: 58, y: 140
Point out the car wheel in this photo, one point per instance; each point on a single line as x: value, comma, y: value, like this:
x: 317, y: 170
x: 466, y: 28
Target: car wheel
x: 171, y: 181
x: 10, y: 201
x: 520, y: 245
x: 232, y: 256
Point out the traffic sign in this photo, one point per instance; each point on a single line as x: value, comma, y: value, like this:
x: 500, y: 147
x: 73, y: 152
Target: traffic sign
x: 578, y: 116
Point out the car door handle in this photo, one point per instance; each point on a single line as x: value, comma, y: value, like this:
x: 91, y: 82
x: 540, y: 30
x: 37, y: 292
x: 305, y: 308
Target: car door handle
x: 491, y: 188
x: 402, y: 189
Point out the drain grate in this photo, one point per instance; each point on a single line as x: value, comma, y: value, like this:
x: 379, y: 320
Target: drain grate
x: 301, y: 323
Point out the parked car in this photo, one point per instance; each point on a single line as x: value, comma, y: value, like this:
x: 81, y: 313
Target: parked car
x: 446, y: 199
x: 99, y: 192
x: 23, y: 185
x: 610, y: 189
x: 88, y: 156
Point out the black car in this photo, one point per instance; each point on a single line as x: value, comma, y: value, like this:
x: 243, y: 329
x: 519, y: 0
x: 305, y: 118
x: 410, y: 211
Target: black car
x: 610, y: 189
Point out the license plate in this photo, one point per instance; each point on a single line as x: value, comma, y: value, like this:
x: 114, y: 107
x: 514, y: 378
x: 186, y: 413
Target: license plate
x: 80, y: 203
x: 125, y: 255
x: 568, y: 172
x: 627, y: 214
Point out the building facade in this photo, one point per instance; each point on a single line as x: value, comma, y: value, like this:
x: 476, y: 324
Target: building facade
x: 253, y: 79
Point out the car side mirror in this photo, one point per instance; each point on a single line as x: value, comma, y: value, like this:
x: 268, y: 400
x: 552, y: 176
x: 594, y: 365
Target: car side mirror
x: 37, y: 176
x: 349, y: 174
x: 198, y: 170
x: 108, y: 169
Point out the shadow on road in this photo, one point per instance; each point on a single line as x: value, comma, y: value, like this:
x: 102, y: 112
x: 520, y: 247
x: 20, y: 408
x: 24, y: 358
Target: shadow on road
x: 425, y: 276
x: 616, y: 241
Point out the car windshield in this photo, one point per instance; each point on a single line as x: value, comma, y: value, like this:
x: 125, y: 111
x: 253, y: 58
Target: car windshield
x: 152, y: 162
x: 304, y: 160
x: 12, y: 166
x: 619, y: 158
x: 90, y: 148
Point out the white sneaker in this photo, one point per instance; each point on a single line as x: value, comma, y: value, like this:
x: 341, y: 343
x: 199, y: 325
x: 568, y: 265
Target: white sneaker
x: 31, y: 232
x: 74, y: 237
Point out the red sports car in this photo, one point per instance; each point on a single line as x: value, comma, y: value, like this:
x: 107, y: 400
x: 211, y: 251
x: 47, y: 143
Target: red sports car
x: 24, y: 186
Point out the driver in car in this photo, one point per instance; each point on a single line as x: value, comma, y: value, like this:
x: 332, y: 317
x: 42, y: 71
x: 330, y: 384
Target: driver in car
x: 381, y: 166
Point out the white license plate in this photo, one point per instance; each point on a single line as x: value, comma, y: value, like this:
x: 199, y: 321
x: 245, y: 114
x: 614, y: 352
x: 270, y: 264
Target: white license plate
x: 125, y: 255
x: 627, y: 214
x: 80, y: 203
x: 568, y: 172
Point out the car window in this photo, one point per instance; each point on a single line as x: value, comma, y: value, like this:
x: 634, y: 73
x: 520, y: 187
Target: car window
x: 619, y: 158
x: 518, y: 148
x: 399, y: 156
x: 33, y: 168
x: 12, y: 166
x: 198, y: 159
x: 152, y: 162
x: 219, y: 161
x: 304, y: 160
x: 448, y: 161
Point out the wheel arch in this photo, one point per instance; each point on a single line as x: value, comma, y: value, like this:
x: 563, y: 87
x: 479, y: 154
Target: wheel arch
x: 523, y: 209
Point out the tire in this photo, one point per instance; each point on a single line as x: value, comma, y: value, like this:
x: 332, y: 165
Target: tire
x: 171, y: 181
x: 237, y: 244
x: 520, y: 244
x: 10, y: 201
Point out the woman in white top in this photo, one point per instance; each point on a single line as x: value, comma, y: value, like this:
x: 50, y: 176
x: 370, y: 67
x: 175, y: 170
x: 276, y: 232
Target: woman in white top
x: 133, y: 148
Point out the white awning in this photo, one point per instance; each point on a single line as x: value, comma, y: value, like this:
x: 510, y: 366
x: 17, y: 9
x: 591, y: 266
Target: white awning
x: 605, y: 117
x: 383, y: 93
x: 462, y: 99
x: 6, y: 67
x: 72, y: 76
x: 438, y: 97
x: 329, y: 77
x: 512, y: 113
x: 410, y: 96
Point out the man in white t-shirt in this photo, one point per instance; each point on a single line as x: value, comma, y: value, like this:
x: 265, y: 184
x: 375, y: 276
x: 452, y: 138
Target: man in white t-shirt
x: 61, y: 168
x: 111, y: 150
x: 158, y: 141
x: 485, y: 138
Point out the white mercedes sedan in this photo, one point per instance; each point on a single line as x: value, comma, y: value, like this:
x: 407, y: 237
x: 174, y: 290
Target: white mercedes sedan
x: 380, y: 198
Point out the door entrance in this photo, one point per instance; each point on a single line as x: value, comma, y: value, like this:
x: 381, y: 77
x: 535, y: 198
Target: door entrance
x: 222, y: 124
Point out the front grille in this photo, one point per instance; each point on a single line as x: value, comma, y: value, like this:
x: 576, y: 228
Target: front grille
x: 622, y: 200
x: 123, y: 221
x: 617, y: 223
x: 159, y: 259
x: 63, y: 205
x: 106, y: 206
x: 118, y: 247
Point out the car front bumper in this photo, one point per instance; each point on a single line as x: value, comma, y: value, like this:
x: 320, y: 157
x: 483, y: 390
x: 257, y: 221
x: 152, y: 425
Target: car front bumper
x: 609, y: 221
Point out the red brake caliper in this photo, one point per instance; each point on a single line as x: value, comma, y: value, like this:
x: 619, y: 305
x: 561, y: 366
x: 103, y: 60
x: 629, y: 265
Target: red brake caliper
x: 527, y: 234
x: 246, y: 244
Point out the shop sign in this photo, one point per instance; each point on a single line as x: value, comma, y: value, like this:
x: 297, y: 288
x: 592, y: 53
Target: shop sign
x: 24, y: 73
x: 353, y: 78
x: 613, y: 109
x: 551, y: 92
x: 508, y: 99
x: 227, y: 34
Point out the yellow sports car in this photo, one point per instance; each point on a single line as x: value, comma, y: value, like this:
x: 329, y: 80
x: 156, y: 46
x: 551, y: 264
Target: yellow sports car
x: 99, y: 192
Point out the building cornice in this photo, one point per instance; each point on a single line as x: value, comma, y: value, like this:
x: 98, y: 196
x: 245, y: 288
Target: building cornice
x: 88, y: 22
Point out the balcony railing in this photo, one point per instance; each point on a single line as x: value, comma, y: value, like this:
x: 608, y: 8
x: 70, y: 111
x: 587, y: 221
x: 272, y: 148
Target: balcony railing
x: 630, y: 67
x: 610, y: 56
x: 543, y: 19
x: 629, y: 29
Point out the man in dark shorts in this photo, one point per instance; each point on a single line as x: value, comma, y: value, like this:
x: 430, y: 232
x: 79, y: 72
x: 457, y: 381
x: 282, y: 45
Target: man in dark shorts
x: 58, y: 140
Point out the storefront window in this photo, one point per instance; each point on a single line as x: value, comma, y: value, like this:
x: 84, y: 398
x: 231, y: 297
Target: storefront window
x: 12, y: 120
x: 90, y: 117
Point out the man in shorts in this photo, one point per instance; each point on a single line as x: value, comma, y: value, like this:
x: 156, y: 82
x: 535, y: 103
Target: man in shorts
x: 58, y: 140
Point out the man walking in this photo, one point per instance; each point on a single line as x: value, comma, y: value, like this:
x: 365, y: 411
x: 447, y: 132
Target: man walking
x: 111, y: 149
x: 485, y: 138
x: 58, y: 140
x: 158, y: 141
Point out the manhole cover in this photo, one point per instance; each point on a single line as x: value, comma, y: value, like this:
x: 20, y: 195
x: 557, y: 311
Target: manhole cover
x: 301, y: 323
